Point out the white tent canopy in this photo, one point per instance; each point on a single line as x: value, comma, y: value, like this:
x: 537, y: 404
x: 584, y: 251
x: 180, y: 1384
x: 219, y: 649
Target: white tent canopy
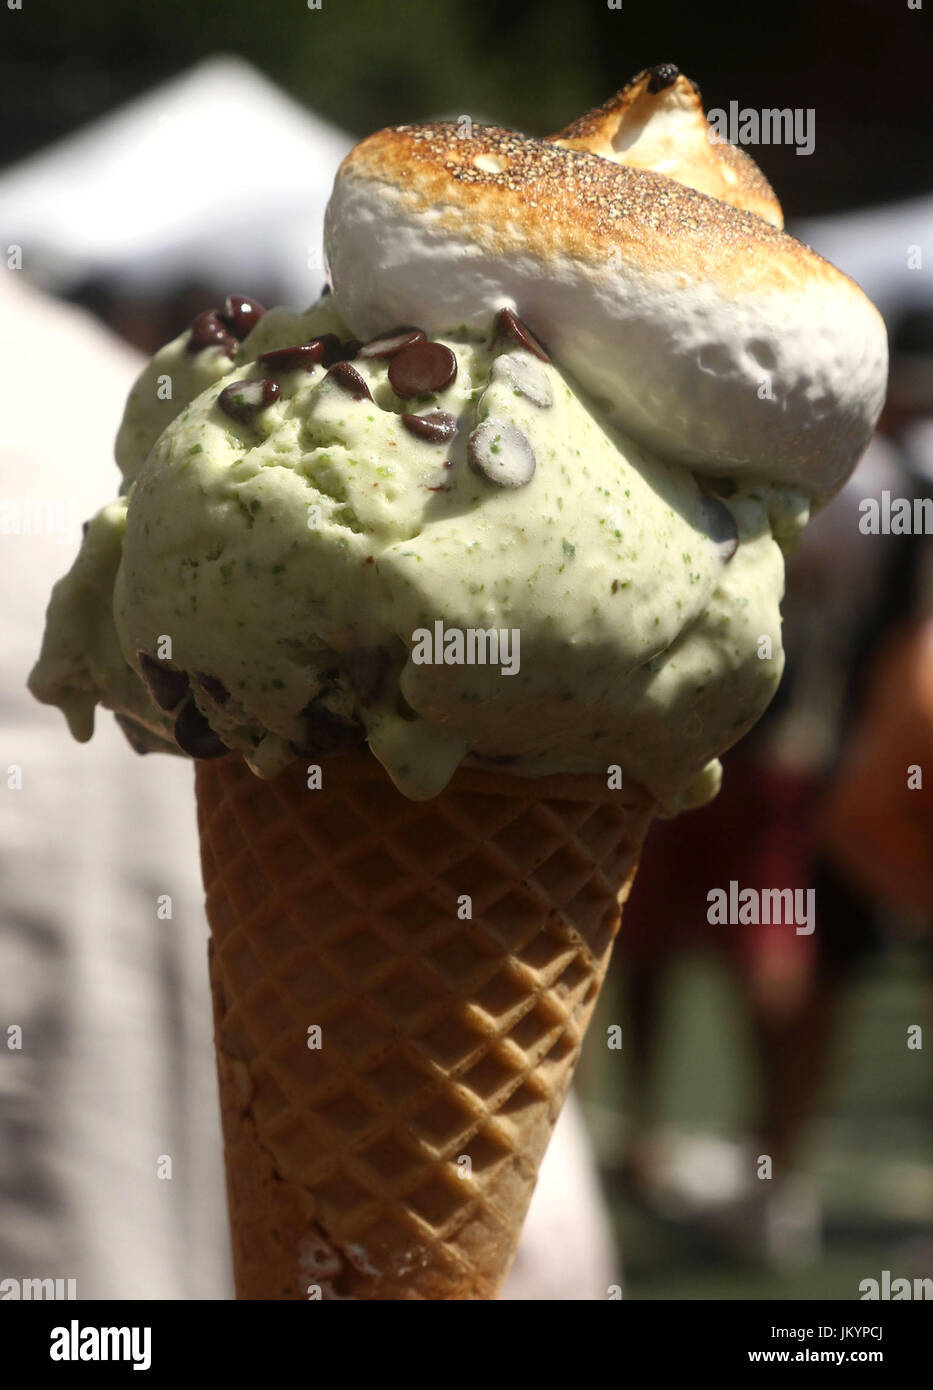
x: 877, y: 247
x: 214, y: 174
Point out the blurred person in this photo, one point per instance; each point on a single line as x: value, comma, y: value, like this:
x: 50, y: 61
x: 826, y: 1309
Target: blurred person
x: 111, y: 1163
x: 108, y: 1110
x: 877, y: 824
x: 760, y: 834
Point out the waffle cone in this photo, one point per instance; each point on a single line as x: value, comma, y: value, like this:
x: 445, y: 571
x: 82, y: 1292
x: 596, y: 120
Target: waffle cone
x: 397, y: 1158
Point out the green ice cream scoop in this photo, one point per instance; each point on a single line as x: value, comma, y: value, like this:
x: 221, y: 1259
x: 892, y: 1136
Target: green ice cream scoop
x: 436, y: 547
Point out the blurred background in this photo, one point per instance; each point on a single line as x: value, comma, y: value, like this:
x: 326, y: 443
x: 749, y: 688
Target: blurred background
x: 154, y: 158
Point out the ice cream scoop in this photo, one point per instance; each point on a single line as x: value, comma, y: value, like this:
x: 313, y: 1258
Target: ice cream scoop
x: 438, y: 547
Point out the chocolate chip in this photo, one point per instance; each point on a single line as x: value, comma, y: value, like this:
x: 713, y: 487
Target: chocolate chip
x: 167, y: 685
x: 303, y: 357
x: 716, y: 521
x: 136, y: 735
x: 501, y: 453
x: 85, y: 527
x: 326, y: 733
x: 241, y: 314
x: 367, y: 669
x: 391, y: 343
x: 215, y: 688
x: 525, y: 377
x: 663, y: 75
x: 245, y: 399
x: 194, y: 735
x: 509, y: 325
x: 208, y: 330
x: 437, y: 427
x: 327, y: 345
x: 349, y: 380
x: 332, y: 349
x: 422, y: 368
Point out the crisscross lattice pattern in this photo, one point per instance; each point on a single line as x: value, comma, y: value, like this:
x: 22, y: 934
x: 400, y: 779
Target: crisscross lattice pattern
x: 442, y: 1037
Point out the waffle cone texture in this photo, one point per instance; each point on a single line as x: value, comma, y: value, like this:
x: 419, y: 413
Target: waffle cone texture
x: 400, y: 995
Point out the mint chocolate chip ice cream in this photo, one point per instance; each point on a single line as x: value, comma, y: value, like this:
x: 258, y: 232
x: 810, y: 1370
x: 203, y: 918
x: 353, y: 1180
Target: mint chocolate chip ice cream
x: 292, y: 541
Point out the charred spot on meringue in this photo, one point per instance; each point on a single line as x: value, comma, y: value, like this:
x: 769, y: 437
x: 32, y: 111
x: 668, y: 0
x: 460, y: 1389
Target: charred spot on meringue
x: 662, y: 75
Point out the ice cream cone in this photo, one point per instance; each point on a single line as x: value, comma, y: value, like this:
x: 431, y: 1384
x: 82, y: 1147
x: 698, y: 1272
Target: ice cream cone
x: 401, y: 990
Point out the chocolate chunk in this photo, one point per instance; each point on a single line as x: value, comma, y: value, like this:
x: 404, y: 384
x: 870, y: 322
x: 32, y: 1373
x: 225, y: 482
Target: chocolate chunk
x: 135, y: 734
x: 525, y: 377
x: 391, y: 343
x: 437, y: 427
x: 349, y: 380
x: 422, y: 368
x: 501, y: 453
x: 167, y: 685
x: 509, y: 325
x: 241, y: 314
x: 367, y: 669
x: 332, y: 349
x: 194, y: 735
x: 215, y: 688
x: 208, y: 330
x: 662, y: 75
x: 303, y: 357
x: 245, y: 399
x: 326, y: 733
x: 716, y: 521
